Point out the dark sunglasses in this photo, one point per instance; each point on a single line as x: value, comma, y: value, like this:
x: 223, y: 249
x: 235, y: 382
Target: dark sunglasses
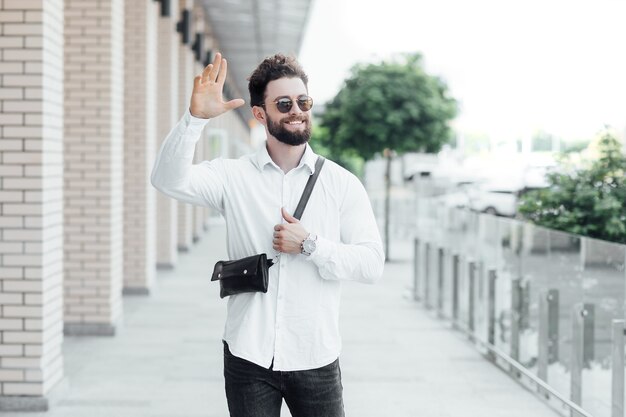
x: 285, y: 104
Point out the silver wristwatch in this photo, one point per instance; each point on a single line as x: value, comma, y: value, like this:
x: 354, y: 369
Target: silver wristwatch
x: 308, y: 245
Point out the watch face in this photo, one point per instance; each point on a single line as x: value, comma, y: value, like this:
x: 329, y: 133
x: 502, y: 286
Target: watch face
x: 309, y: 245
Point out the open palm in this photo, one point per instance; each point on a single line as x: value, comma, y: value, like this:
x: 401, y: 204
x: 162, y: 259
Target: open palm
x: 206, y: 99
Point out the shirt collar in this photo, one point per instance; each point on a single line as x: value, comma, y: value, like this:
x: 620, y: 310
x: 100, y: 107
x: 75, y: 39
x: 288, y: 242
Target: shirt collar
x: 263, y: 158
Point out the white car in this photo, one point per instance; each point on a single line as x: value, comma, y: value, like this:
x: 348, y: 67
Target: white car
x: 499, y: 201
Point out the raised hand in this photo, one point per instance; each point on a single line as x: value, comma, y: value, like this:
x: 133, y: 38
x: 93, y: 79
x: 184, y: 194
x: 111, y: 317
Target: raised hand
x: 206, y: 99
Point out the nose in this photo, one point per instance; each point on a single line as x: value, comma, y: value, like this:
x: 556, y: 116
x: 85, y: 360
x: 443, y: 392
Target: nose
x: 295, y: 109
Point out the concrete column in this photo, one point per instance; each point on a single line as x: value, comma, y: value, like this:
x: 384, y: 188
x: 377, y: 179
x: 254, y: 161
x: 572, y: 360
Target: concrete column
x: 140, y: 66
x: 185, y: 85
x: 31, y: 202
x: 94, y: 130
x: 168, y: 113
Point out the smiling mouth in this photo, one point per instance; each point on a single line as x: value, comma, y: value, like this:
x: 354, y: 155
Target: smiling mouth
x: 295, y: 122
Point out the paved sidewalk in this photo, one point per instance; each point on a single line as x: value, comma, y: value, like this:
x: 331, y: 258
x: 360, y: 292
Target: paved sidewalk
x: 166, y: 359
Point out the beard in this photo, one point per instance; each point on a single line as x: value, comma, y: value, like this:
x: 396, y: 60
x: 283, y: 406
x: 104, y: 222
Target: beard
x: 293, y: 138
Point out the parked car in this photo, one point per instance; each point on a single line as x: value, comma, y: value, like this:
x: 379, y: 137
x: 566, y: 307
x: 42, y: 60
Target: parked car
x: 496, y: 200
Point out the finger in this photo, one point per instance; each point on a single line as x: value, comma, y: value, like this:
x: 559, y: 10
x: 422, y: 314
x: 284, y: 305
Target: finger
x: 233, y: 104
x: 221, y: 76
x: 288, y: 217
x: 216, y: 67
x: 206, y: 72
x: 278, y: 227
x: 196, y: 81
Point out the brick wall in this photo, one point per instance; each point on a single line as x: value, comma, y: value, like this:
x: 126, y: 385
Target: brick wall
x: 94, y: 106
x: 139, y: 145
x: 31, y: 199
x: 168, y: 113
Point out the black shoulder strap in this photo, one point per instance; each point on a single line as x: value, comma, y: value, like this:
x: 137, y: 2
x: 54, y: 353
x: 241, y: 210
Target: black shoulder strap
x: 309, y: 188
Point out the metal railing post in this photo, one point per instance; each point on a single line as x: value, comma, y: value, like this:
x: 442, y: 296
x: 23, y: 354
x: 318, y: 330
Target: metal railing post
x: 471, y: 275
x: 582, y: 348
x: 516, y: 306
x: 441, y: 255
x: 617, y: 385
x: 427, y: 272
x: 491, y: 310
x: 589, y: 335
x: 548, y: 332
x: 416, y: 266
x: 456, y: 259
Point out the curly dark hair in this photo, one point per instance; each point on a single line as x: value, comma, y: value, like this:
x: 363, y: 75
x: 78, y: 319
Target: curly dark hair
x: 272, y: 68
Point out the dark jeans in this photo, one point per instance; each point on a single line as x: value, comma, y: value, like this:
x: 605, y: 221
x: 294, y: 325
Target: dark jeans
x: 253, y: 391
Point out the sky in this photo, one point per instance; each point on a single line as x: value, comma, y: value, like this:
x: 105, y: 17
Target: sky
x: 515, y: 67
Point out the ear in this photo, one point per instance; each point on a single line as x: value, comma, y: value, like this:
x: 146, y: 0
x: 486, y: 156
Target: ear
x: 259, y: 114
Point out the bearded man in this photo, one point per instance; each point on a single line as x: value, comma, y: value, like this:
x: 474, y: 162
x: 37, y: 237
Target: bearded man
x: 285, y: 343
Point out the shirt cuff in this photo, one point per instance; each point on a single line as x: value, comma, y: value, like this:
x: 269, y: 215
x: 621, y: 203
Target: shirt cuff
x: 189, y: 131
x: 195, y: 122
x: 323, y: 251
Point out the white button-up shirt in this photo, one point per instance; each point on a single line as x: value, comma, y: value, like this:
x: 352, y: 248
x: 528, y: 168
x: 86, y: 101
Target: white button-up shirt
x: 296, y: 323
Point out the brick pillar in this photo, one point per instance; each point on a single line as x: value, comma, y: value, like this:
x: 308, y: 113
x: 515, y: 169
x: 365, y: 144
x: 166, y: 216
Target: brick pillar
x: 140, y: 65
x: 185, y: 85
x: 168, y: 113
x: 94, y: 118
x: 31, y: 202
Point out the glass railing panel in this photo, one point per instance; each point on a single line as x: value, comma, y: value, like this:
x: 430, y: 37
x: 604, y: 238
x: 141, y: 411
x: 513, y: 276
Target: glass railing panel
x: 457, y: 245
x: 563, y: 279
x: 603, y: 281
x: 481, y: 324
x: 543, y: 278
x: 530, y: 282
x: 481, y: 237
x: 488, y: 239
x: 501, y: 257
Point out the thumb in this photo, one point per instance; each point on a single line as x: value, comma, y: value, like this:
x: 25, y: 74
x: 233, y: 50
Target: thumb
x: 288, y: 217
x: 233, y: 104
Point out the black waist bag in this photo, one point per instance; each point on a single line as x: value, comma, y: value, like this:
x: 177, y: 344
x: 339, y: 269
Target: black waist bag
x: 251, y: 274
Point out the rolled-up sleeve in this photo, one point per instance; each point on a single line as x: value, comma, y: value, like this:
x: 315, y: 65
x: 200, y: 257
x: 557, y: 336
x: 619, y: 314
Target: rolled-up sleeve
x: 359, y: 256
x: 174, y: 173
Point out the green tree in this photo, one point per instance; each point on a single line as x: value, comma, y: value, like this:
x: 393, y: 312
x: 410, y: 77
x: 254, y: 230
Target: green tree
x: 588, y: 201
x: 391, y: 107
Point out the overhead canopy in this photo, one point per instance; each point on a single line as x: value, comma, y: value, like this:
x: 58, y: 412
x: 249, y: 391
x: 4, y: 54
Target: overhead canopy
x: 250, y: 30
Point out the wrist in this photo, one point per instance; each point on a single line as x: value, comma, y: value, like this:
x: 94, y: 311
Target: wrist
x: 198, y: 115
